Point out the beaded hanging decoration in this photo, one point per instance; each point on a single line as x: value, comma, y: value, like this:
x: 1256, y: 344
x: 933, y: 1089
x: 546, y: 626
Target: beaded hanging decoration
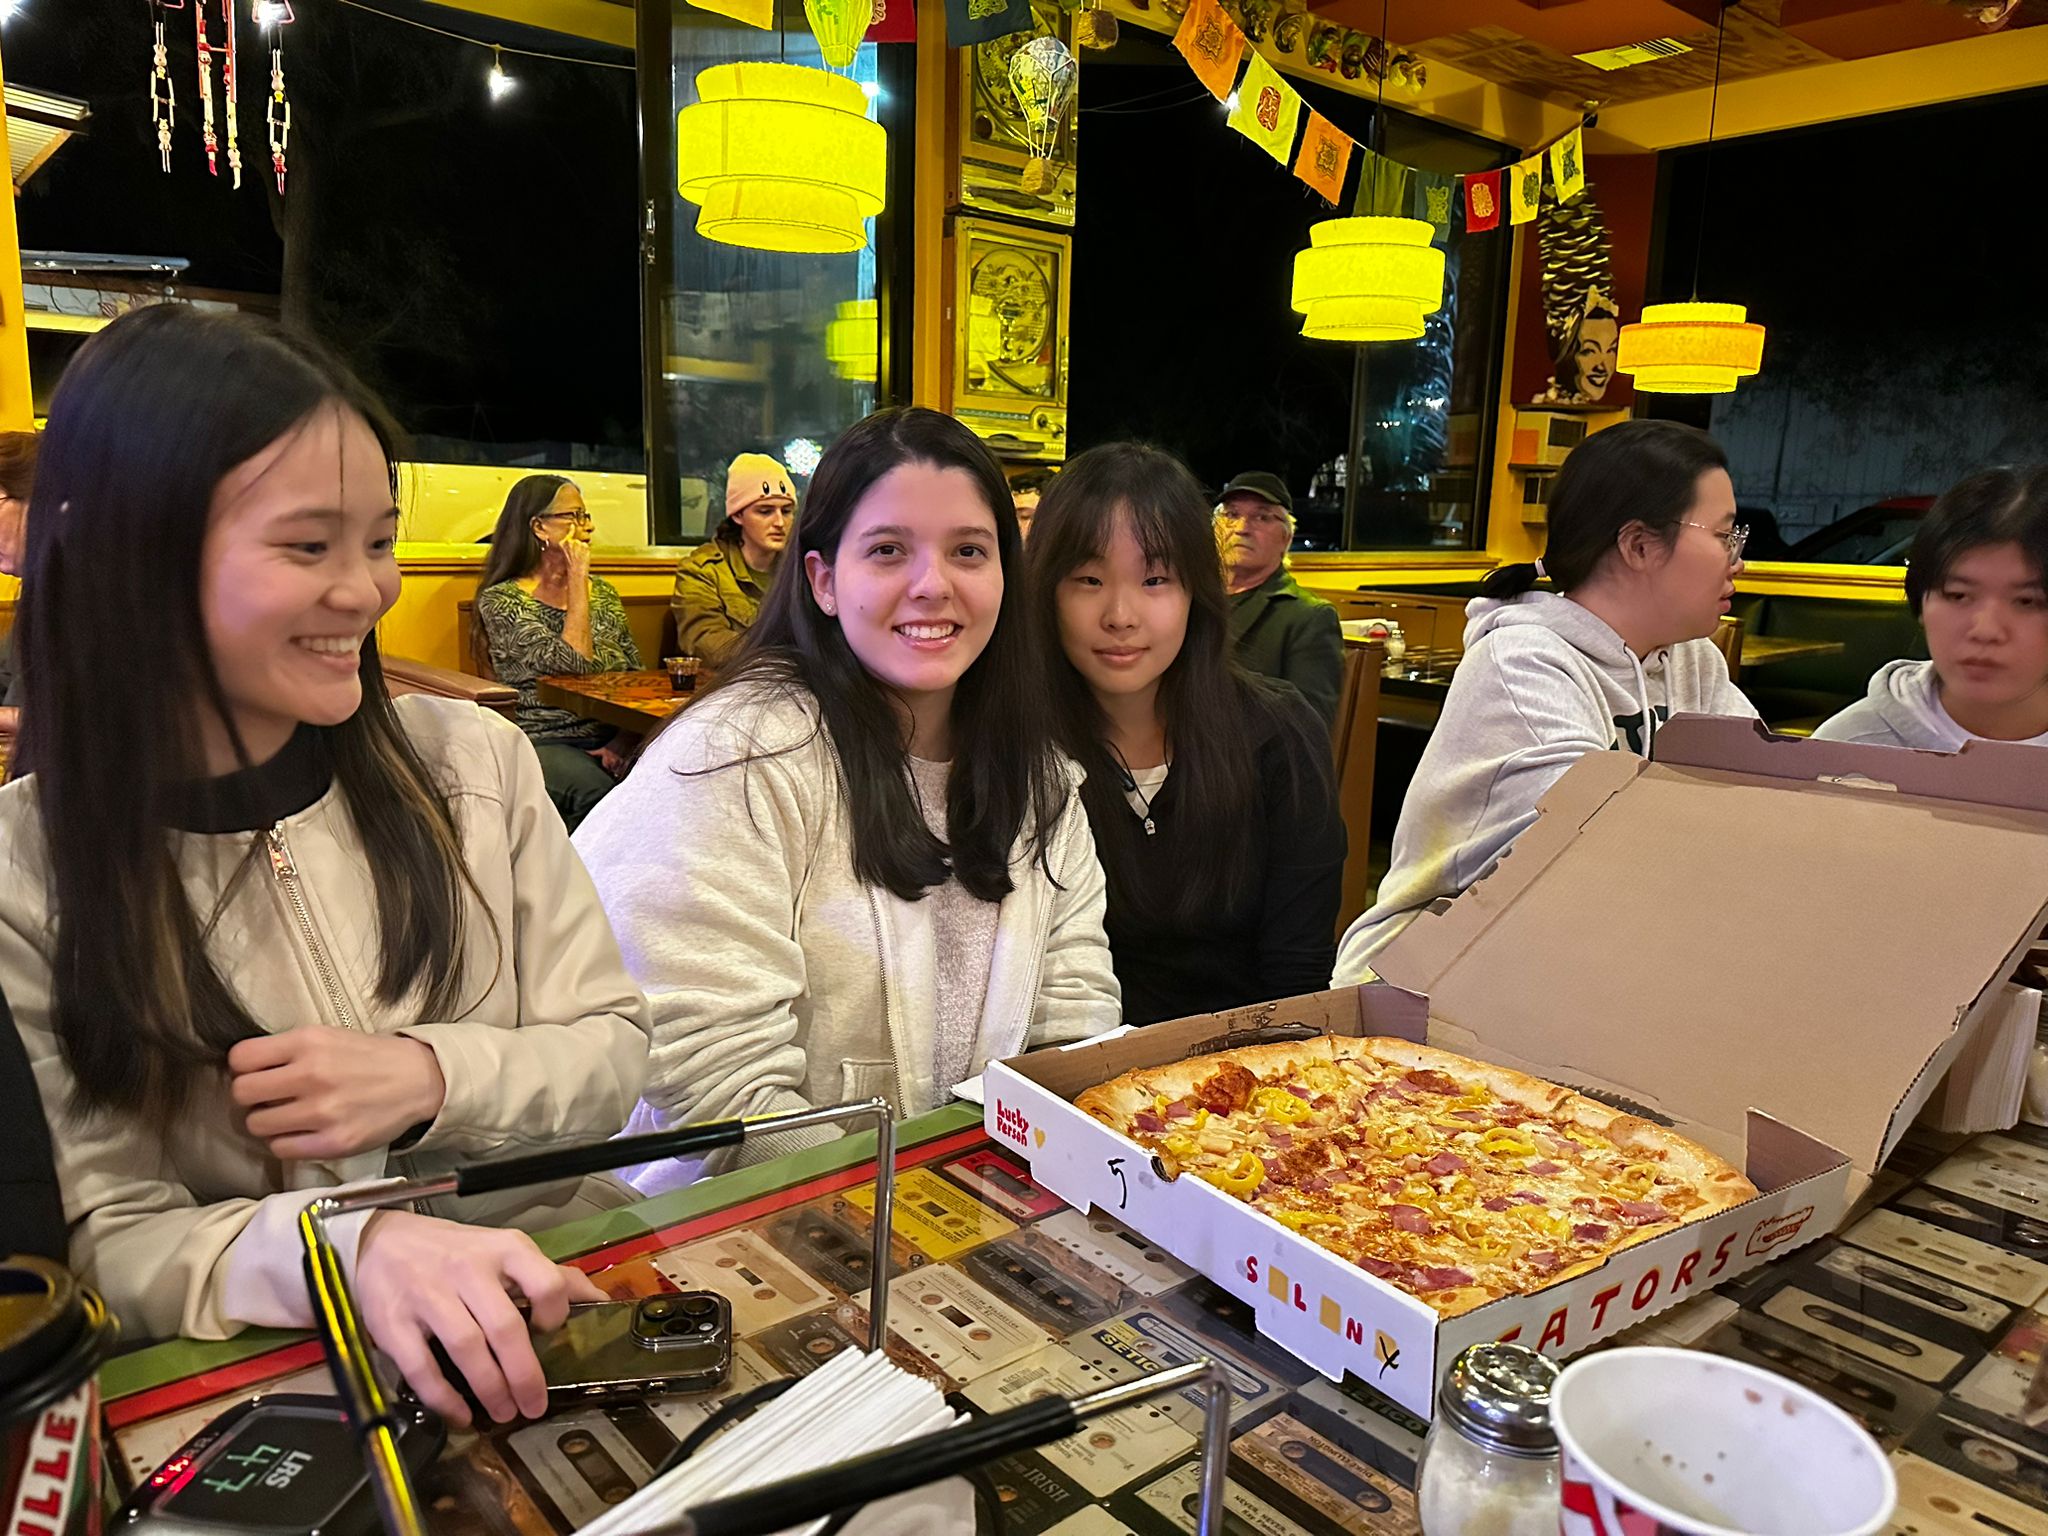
x: 206, y: 121
x: 231, y: 88
x: 163, y: 94
x: 280, y: 115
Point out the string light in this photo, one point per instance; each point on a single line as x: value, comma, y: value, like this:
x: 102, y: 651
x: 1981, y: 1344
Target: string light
x: 7, y: 10
x: 501, y: 83
x: 271, y: 13
x: 802, y: 455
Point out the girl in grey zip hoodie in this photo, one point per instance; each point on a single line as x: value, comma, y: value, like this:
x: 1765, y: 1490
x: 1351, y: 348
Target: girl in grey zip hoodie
x: 1545, y: 679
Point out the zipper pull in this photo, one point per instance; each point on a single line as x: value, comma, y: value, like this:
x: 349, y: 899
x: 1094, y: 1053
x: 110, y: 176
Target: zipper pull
x: 1149, y: 828
x: 280, y: 855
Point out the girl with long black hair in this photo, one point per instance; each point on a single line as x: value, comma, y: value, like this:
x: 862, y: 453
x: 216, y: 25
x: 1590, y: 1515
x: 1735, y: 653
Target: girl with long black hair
x: 265, y: 931
x: 1209, y: 789
x: 859, y: 866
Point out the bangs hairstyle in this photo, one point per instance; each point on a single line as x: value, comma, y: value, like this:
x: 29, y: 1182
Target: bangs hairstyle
x: 1644, y: 472
x: 1214, y: 711
x: 151, y: 415
x: 1006, y: 779
x: 2008, y: 505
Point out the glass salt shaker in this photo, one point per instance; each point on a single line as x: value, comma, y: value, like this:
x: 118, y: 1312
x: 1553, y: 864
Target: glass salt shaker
x: 1489, y: 1466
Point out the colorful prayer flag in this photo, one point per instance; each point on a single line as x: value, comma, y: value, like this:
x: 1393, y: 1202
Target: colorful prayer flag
x: 1433, y: 194
x: 1525, y: 188
x: 1209, y: 40
x: 1325, y: 158
x: 1382, y: 187
x: 754, y: 13
x: 895, y: 22
x: 1568, y: 166
x: 1482, y: 202
x: 979, y: 21
x: 1267, y: 109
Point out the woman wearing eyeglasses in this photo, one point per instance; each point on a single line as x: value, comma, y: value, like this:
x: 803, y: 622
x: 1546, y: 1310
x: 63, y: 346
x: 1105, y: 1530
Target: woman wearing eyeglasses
x: 540, y: 612
x: 1643, y: 554
x: 721, y: 583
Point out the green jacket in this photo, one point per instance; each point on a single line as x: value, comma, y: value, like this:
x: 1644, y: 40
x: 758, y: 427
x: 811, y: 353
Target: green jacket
x: 1282, y: 631
x: 715, y: 601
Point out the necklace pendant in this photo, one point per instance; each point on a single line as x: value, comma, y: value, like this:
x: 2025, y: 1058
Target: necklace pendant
x: 1150, y: 829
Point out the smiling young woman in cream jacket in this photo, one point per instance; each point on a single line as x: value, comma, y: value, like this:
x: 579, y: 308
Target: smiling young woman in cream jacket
x: 860, y: 868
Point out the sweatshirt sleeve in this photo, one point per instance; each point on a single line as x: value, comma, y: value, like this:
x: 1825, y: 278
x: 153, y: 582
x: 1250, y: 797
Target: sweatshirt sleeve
x: 1078, y: 993
x: 1304, y: 879
x: 574, y: 1067
x: 697, y: 858
x: 1516, y: 718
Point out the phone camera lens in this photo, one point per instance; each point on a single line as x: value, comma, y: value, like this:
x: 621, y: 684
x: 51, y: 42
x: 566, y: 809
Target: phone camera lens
x: 681, y: 1328
x: 658, y: 1309
x: 699, y: 1306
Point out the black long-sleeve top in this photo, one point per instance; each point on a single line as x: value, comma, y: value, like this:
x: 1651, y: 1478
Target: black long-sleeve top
x: 1278, y: 939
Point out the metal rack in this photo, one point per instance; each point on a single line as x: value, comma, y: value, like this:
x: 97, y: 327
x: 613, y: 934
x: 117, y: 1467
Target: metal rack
x: 931, y: 1458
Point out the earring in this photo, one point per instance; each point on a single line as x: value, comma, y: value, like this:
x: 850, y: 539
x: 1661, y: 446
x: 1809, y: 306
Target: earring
x: 831, y: 607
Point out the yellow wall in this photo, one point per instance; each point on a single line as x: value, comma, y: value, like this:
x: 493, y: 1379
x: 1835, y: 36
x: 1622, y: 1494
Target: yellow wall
x: 17, y: 400
x: 422, y: 624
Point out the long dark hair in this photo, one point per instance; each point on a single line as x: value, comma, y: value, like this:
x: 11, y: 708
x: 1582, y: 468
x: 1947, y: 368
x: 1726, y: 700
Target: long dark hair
x: 2007, y: 505
x: 515, y: 548
x: 1214, y: 711
x: 149, y: 417
x: 1634, y: 472
x: 1005, y: 776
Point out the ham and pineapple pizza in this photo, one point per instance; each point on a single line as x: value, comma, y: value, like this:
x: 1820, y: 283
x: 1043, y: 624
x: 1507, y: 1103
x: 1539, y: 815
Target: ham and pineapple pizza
x: 1457, y: 1181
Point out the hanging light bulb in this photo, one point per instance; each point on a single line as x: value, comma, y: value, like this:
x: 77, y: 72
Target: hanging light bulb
x: 502, y: 84
x: 1368, y: 279
x: 271, y: 13
x: 852, y: 344
x: 781, y: 158
x: 7, y: 10
x: 1694, y: 348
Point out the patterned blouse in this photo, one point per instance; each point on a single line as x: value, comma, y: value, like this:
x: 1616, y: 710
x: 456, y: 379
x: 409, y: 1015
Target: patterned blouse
x: 525, y: 637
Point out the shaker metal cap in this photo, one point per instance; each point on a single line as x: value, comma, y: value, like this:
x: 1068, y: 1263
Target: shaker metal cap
x: 1499, y: 1395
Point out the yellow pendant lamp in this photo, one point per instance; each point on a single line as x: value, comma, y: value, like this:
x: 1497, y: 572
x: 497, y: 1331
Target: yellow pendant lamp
x: 1691, y: 349
x: 852, y: 345
x: 1368, y: 279
x: 781, y: 158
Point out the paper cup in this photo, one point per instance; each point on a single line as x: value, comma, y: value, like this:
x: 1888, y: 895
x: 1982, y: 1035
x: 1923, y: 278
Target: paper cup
x: 53, y: 1335
x: 1677, y: 1442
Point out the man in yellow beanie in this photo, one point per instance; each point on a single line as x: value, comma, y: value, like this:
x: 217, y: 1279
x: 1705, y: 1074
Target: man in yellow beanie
x: 720, y: 583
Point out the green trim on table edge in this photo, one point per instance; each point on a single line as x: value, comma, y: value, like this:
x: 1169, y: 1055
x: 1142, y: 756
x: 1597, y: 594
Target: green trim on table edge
x: 177, y: 1359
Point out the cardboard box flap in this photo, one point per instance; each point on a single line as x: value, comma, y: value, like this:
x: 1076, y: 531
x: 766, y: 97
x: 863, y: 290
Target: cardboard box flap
x: 1708, y: 938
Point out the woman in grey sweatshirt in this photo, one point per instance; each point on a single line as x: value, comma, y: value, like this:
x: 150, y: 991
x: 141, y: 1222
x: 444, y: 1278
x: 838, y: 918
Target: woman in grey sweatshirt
x: 1644, y: 551
x: 1977, y: 580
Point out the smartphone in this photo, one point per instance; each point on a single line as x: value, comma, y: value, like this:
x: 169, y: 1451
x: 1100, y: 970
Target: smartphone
x: 656, y: 1346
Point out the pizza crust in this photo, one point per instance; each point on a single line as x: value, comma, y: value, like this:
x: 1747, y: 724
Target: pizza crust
x: 1114, y: 1102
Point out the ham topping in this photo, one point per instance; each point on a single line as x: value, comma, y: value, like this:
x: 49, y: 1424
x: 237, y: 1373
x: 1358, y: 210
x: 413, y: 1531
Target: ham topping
x: 1145, y: 1120
x: 1445, y: 1162
x: 1180, y: 1109
x: 1639, y: 1212
x: 1589, y: 1232
x: 1544, y: 1262
x: 1498, y: 1203
x: 1409, y: 1218
x: 1432, y: 1278
x: 1432, y: 1081
x: 1544, y: 1169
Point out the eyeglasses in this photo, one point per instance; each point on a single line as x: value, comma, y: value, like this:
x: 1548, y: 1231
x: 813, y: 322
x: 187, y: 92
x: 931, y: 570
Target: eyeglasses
x: 574, y: 519
x: 1732, y: 540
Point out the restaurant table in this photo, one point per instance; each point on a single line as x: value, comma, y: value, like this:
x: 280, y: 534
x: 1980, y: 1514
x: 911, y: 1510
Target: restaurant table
x: 1919, y: 1319
x: 635, y: 702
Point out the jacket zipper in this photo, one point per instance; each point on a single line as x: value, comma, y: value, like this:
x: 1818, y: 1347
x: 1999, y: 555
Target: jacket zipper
x: 287, y: 874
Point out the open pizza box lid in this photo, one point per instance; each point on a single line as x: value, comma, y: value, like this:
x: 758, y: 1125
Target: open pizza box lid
x: 1801, y: 928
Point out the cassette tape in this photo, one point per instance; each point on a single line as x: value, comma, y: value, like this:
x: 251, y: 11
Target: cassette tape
x: 1050, y: 1282
x: 1177, y: 1497
x: 1145, y: 1341
x: 1934, y: 1501
x: 1033, y: 1495
x: 1681, y: 1327
x: 1920, y: 1149
x: 1374, y: 1429
x: 1342, y: 1492
x: 1111, y: 1449
x: 1986, y: 1451
x: 832, y: 1250
x: 1884, y: 1402
x: 578, y: 1465
x: 1092, y: 1521
x: 1002, y: 1183
x: 938, y: 1219
x: 801, y: 1345
x: 1862, y: 1335
x: 2007, y: 1174
x: 960, y: 1327
x: 762, y: 1285
x: 1979, y: 1314
x: 473, y: 1491
x: 1951, y: 1255
x: 1218, y: 1315
x: 1969, y: 1215
x: 1146, y: 1269
x: 750, y: 1369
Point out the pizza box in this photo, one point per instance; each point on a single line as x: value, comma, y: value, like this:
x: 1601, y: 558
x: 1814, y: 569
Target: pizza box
x: 1777, y: 944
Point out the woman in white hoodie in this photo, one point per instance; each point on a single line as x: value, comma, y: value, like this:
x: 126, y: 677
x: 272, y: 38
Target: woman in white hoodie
x: 264, y: 931
x: 1643, y: 551
x: 859, y: 866
x: 1977, y: 580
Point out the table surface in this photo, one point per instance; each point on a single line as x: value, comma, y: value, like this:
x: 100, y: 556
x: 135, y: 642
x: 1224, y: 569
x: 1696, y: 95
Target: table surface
x: 1427, y: 674
x: 1762, y: 650
x: 627, y: 701
x: 1919, y: 1320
